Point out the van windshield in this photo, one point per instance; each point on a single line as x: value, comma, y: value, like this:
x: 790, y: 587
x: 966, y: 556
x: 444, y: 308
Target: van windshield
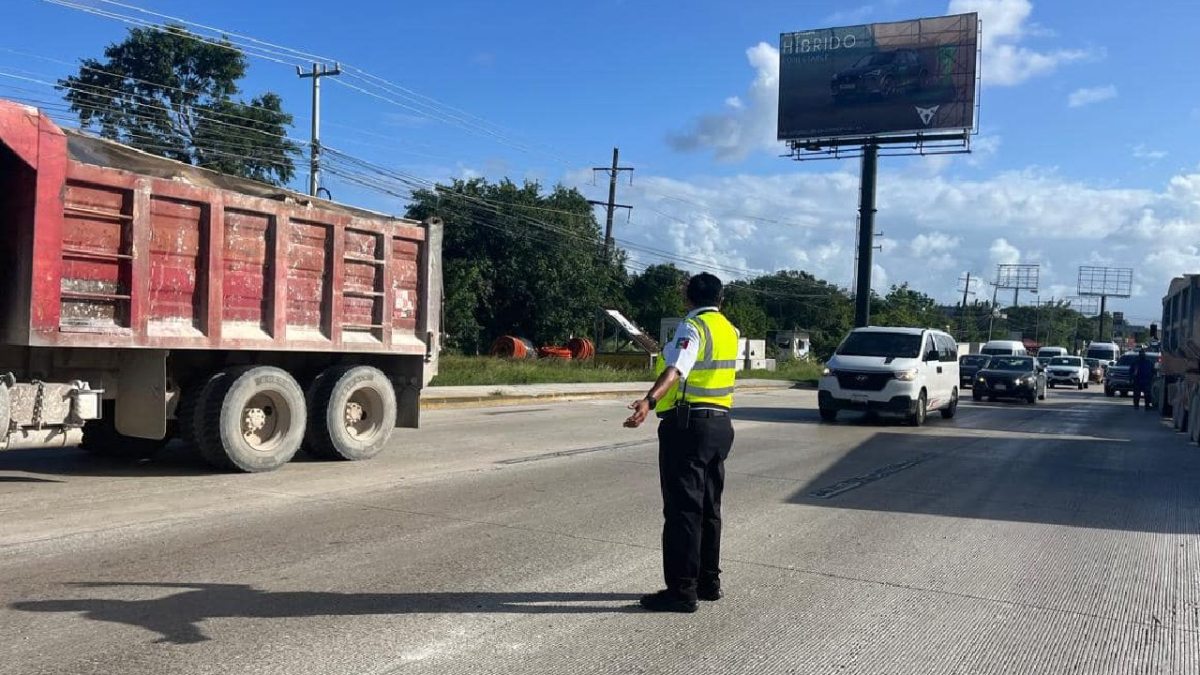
x: 1107, y: 353
x: 1066, y: 361
x: 890, y: 345
x: 1002, y: 351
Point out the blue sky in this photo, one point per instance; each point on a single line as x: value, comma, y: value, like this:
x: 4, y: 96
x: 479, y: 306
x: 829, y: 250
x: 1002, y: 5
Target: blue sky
x: 1112, y: 179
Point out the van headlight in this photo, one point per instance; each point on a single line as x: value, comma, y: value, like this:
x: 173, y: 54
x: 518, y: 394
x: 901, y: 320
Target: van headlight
x: 827, y: 371
x: 906, y: 375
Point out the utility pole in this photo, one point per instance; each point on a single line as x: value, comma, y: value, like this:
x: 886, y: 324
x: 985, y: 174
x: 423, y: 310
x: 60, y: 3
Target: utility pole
x: 962, y: 314
x: 611, y: 205
x: 318, y: 71
x: 992, y: 319
x: 866, y: 236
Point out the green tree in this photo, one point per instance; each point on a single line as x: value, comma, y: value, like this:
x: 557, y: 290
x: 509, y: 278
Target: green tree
x: 519, y: 262
x: 744, y: 310
x: 170, y: 94
x: 903, y: 306
x: 655, y: 294
x: 795, y: 300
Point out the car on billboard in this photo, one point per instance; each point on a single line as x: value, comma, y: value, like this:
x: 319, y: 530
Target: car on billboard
x: 882, y: 74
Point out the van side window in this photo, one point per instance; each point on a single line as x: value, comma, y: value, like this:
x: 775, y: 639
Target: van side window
x: 949, y: 349
x: 929, y: 345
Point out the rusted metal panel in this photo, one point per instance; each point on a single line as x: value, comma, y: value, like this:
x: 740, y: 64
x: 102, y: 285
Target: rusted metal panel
x: 176, y: 276
x: 405, y: 284
x: 97, y: 255
x: 127, y: 250
x: 310, y: 250
x: 47, y: 236
x: 248, y: 253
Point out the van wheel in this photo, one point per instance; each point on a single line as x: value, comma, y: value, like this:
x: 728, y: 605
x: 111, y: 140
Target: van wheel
x: 254, y: 419
x: 1109, y: 392
x: 917, y: 418
x: 1080, y: 386
x: 978, y: 396
x: 949, y: 411
x: 1051, y: 385
x: 351, y: 413
x: 828, y: 414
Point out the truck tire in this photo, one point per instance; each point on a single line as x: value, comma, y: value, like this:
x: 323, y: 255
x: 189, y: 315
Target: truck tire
x: 1193, y: 413
x: 5, y: 412
x: 351, y: 413
x: 1178, y: 409
x: 185, y: 412
x: 1109, y: 392
x: 253, y: 419
x: 101, y: 438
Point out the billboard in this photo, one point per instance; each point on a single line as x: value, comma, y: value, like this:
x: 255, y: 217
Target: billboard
x: 880, y: 78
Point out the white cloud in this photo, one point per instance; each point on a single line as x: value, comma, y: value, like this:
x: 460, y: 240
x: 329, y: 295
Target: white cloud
x: 937, y: 227
x: 1089, y: 95
x: 746, y: 124
x: 1005, y: 24
x: 1004, y: 253
x: 1140, y: 151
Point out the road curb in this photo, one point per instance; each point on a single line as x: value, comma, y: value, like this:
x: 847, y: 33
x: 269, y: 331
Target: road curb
x: 500, y: 399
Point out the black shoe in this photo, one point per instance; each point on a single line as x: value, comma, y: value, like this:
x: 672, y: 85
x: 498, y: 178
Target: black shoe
x: 667, y: 601
x: 709, y: 593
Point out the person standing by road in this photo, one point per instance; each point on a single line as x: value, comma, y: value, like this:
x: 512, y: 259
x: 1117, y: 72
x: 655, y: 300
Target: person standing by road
x: 1141, y: 375
x: 692, y: 397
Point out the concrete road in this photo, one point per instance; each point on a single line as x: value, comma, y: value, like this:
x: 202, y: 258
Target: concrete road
x: 1053, y: 538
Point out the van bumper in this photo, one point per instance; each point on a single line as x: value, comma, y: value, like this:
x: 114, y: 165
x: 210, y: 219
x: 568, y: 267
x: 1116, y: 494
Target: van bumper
x: 902, y: 405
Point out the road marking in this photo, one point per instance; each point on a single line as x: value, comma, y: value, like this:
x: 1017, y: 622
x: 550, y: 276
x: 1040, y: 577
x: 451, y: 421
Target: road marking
x: 849, y: 484
x: 578, y: 451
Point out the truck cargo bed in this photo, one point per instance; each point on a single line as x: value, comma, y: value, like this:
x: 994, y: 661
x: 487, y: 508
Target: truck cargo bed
x: 104, y: 246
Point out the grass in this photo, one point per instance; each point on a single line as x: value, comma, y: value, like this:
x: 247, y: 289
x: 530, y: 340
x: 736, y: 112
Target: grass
x: 804, y: 372
x: 485, y: 370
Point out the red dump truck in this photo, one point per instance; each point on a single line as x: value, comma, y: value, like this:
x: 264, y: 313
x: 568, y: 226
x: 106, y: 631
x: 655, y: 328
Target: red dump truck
x: 1177, y: 387
x: 146, y: 299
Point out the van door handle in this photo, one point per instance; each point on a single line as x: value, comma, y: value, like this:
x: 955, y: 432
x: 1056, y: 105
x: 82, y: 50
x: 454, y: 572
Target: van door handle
x: 939, y: 370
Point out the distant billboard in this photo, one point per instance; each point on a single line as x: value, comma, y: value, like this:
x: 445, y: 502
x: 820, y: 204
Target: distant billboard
x: 880, y: 78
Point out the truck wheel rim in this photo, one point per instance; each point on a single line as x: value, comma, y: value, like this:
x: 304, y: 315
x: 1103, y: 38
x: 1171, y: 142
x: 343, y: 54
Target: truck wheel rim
x: 265, y: 421
x: 363, y: 414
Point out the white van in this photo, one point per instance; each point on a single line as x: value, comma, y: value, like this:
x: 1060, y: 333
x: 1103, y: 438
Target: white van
x: 1106, y: 352
x: 906, y: 371
x: 1051, y: 352
x: 1004, y: 348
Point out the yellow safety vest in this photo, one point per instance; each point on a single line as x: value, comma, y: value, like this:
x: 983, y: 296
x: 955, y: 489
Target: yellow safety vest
x: 711, y: 380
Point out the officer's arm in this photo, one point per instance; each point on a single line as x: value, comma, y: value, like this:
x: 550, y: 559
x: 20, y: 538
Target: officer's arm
x: 664, y: 383
x: 641, y: 408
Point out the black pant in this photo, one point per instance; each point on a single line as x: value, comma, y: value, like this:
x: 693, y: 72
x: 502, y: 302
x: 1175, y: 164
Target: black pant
x: 1138, y: 390
x: 691, y: 467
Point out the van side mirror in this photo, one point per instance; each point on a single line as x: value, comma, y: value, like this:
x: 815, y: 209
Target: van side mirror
x: 933, y: 355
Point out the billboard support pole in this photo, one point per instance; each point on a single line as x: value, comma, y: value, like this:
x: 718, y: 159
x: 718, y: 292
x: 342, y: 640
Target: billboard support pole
x: 866, y: 235
x: 1103, y: 306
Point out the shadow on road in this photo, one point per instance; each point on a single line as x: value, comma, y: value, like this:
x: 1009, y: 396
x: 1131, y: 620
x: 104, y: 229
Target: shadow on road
x: 1140, y: 484
x: 175, y: 460
x: 176, y: 618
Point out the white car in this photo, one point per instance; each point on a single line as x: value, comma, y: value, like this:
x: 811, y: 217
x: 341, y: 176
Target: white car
x: 1069, y: 370
x: 904, y: 371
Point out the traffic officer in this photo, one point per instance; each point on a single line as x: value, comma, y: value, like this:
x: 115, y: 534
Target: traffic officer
x: 692, y: 398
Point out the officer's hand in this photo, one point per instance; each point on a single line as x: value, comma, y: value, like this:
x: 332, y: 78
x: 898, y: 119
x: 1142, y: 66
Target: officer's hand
x: 640, y: 408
